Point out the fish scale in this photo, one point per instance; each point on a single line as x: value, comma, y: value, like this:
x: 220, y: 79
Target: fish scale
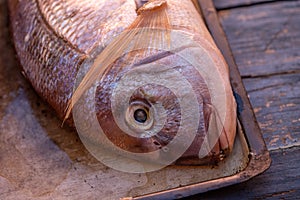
x: 54, y: 38
x: 90, y: 22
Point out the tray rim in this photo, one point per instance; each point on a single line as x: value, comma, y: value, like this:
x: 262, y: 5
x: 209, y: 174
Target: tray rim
x: 259, y: 157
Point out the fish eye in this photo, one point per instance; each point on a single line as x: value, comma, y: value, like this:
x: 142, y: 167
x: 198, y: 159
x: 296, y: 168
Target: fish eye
x: 140, y: 115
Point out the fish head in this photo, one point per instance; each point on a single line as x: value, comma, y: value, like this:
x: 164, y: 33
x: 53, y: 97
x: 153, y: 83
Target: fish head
x: 156, y: 107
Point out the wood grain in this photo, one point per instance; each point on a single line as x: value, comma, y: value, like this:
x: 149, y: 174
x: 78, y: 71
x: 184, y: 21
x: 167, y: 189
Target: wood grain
x: 276, y: 103
x: 229, y: 4
x: 265, y: 39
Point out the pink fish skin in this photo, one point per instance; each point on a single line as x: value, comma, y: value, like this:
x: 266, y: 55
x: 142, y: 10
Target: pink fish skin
x: 53, y: 38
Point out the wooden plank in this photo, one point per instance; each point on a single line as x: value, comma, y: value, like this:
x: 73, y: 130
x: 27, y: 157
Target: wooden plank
x: 265, y: 39
x: 276, y: 103
x: 227, y: 4
x: 281, y: 181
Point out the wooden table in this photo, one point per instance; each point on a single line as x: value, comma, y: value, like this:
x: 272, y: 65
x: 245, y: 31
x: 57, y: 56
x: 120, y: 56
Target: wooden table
x: 37, y: 156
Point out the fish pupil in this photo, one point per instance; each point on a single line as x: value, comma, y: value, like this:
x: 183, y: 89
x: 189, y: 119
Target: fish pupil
x: 140, y: 116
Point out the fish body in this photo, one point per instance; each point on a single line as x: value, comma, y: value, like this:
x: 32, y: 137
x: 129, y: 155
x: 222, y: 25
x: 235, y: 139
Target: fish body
x: 55, y: 39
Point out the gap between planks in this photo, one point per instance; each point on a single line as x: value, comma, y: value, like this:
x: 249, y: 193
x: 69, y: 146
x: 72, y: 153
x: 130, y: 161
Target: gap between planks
x: 233, y: 4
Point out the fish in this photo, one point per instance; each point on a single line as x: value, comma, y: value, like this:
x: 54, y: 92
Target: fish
x: 139, y: 80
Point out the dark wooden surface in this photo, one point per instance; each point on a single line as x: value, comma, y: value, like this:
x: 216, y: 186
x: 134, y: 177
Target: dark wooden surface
x: 228, y: 4
x: 265, y: 40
